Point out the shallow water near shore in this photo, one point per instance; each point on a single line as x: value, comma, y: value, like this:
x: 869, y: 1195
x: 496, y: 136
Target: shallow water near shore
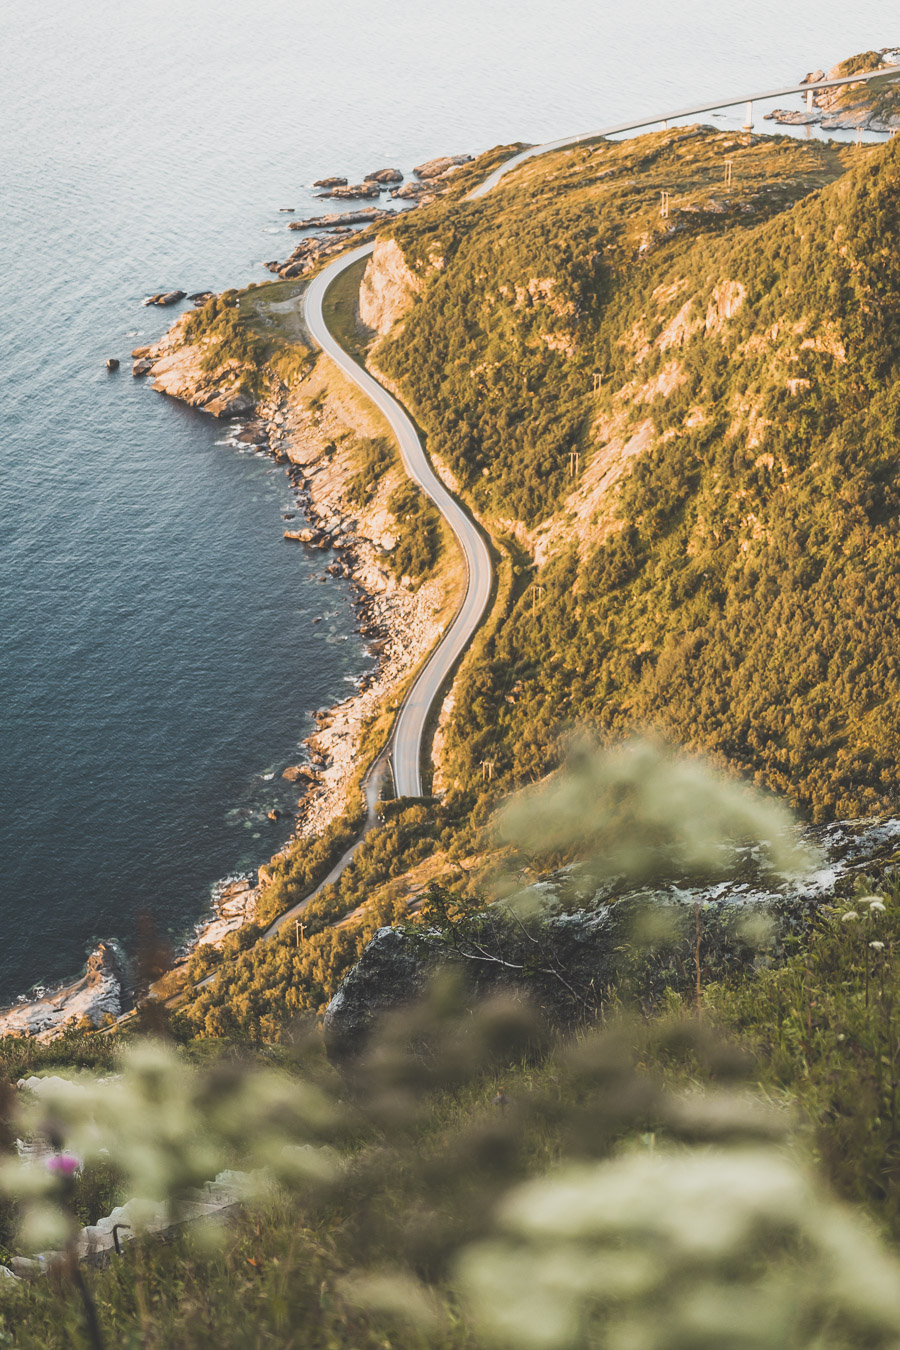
x: 158, y: 657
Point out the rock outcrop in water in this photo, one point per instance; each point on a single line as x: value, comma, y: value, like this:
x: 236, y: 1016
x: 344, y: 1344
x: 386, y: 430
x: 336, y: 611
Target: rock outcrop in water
x: 850, y: 107
x: 384, y: 176
x: 353, y: 191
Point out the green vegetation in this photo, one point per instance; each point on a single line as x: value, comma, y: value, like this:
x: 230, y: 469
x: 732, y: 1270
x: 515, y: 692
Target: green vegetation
x: 260, y: 994
x: 238, y: 329
x: 227, y: 338
x: 339, y: 310
x: 458, y: 1119
x: 736, y: 588
x: 418, y: 525
x: 376, y: 455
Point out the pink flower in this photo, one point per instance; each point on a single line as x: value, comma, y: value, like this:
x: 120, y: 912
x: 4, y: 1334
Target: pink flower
x: 63, y: 1164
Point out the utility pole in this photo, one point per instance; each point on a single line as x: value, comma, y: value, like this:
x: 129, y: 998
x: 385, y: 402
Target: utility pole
x: 598, y: 381
x: 664, y: 205
x: 573, y: 463
x: 487, y: 770
x: 729, y: 166
x: 298, y: 930
x: 537, y: 593
x: 859, y: 135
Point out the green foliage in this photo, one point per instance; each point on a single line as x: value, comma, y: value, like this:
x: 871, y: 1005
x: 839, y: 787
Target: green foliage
x: 418, y: 526
x: 739, y: 591
x: 227, y: 337
x: 823, y: 1027
x: 258, y: 995
x: 375, y: 456
x: 306, y: 862
x: 495, y: 1187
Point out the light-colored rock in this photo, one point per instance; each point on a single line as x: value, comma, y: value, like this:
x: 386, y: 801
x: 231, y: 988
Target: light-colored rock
x: 433, y: 168
x: 97, y: 995
x: 384, y: 176
x: 388, y: 289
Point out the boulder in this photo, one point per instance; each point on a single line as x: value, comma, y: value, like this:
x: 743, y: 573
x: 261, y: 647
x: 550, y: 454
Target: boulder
x: 201, y: 297
x: 362, y: 217
x: 384, y: 176
x: 414, y: 191
x: 142, y: 367
x: 433, y: 168
x: 164, y: 298
x: 330, y: 182
x: 112, y: 363
x: 355, y: 190
x: 233, y: 404
x: 299, y: 773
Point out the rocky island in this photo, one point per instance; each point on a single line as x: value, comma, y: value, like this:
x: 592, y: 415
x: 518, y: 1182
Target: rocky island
x: 869, y: 106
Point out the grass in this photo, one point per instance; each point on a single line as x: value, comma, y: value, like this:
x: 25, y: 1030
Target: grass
x: 339, y: 310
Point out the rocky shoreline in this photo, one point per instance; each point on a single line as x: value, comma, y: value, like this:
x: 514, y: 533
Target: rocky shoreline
x: 399, y: 622
x: 847, y: 108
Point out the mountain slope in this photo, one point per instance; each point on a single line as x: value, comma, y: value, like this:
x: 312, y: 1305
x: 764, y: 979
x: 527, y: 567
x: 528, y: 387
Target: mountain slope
x: 720, y: 560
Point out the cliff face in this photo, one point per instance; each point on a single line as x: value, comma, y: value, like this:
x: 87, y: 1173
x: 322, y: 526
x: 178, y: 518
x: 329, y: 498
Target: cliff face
x: 389, y: 286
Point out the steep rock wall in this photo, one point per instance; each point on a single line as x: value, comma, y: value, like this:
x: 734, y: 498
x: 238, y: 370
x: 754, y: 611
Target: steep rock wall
x: 388, y: 287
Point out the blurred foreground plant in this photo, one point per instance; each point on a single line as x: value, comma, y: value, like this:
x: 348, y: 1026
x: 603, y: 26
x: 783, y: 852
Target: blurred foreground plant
x: 640, y: 810
x: 681, y: 1251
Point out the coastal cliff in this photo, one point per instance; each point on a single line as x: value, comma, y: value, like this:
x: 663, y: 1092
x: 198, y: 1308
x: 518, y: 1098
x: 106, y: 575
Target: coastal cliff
x: 389, y: 286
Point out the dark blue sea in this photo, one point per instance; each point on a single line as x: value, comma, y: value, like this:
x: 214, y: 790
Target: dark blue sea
x: 158, y: 659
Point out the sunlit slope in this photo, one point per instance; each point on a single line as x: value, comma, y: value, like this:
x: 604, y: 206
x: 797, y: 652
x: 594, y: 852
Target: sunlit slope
x: 720, y: 560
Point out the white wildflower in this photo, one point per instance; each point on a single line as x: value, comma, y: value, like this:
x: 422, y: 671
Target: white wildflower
x: 877, y: 946
x: 877, y: 907
x: 851, y: 914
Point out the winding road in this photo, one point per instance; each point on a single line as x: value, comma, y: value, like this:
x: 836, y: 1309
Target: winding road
x: 409, y: 732
x: 406, y: 745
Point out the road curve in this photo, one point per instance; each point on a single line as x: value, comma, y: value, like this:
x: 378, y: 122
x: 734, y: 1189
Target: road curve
x: 494, y: 178
x: 409, y: 731
x: 410, y: 728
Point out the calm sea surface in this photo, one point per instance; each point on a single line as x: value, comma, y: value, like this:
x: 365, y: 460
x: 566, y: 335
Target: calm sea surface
x: 158, y: 659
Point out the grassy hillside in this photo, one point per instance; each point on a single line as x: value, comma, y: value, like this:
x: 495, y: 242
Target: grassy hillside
x: 721, y: 559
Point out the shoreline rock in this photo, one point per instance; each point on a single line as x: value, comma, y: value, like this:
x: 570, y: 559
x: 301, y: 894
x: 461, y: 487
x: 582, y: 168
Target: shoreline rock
x: 165, y: 298
x: 435, y: 168
x: 353, y: 191
x: 384, y: 176
x: 97, y: 997
x: 831, y: 109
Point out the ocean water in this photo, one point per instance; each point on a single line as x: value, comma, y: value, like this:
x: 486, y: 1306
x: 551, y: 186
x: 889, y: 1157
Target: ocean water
x: 158, y: 659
